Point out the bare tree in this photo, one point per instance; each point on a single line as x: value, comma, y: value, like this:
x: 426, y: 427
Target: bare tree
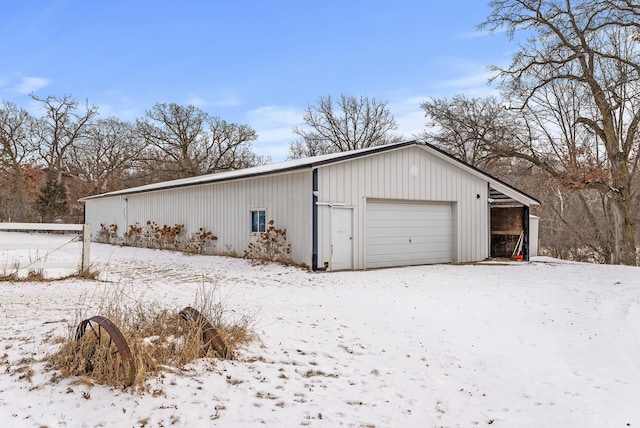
x: 174, y: 134
x: 590, y: 47
x: 307, y: 147
x: 106, y: 156
x: 469, y: 128
x: 229, y: 146
x: 17, y: 175
x: 352, y: 123
x: 62, y: 125
x: 186, y: 141
x: 15, y: 139
x: 576, y: 224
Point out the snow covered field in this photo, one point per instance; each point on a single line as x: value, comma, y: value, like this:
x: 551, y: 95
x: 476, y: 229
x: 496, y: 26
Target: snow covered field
x: 542, y: 344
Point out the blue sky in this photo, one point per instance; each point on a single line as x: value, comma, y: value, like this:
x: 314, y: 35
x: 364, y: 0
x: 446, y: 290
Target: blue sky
x: 258, y: 63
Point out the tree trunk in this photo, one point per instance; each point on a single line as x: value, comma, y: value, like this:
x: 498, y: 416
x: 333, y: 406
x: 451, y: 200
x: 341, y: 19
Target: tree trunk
x: 624, y: 246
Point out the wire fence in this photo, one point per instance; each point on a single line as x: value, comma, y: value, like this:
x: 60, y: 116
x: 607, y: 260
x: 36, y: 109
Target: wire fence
x: 28, y: 247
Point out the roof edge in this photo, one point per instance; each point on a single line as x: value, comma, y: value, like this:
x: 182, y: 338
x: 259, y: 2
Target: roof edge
x: 143, y: 189
x: 301, y: 164
x: 311, y: 163
x: 496, y: 181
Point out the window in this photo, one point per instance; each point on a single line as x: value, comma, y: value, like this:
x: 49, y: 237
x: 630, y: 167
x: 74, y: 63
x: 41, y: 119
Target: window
x: 258, y: 221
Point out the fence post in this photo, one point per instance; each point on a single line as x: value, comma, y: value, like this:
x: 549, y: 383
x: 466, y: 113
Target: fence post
x: 86, y: 239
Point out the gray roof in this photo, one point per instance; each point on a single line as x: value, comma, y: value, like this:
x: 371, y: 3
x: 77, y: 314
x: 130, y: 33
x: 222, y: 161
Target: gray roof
x: 313, y: 162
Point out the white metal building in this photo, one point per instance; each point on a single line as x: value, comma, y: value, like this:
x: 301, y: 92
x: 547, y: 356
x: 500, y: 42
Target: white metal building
x: 402, y: 204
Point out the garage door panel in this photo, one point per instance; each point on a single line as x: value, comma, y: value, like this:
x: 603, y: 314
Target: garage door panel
x: 405, y: 233
x: 435, y: 240
x: 382, y: 216
x: 409, y: 224
x: 385, y: 248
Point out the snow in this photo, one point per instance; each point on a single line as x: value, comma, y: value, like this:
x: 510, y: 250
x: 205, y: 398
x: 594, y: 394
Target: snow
x: 54, y: 249
x: 546, y: 343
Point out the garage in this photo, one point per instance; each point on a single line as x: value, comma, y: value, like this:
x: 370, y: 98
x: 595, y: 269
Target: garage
x: 396, y: 205
x: 401, y: 233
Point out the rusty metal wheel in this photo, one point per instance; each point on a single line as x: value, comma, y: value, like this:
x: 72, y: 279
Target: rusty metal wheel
x: 210, y: 334
x: 105, y: 334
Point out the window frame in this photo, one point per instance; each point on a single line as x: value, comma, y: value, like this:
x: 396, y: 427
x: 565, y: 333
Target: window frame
x: 261, y: 224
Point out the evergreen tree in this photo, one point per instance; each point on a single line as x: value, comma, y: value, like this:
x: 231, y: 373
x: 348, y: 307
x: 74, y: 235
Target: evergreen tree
x: 52, y: 200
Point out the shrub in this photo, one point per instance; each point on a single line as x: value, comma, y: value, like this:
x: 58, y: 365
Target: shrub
x: 168, y: 238
x: 153, y: 236
x: 198, y: 242
x: 271, y: 246
x: 107, y: 234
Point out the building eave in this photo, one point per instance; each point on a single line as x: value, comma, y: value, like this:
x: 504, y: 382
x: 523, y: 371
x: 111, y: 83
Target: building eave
x: 315, y: 162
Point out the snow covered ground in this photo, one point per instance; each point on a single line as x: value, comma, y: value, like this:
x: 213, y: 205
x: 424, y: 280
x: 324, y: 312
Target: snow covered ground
x: 541, y: 344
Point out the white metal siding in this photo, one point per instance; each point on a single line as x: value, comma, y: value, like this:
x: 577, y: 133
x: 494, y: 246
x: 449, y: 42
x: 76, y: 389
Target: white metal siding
x: 410, y: 174
x: 534, y: 226
x: 222, y: 208
x: 408, y: 233
x: 106, y: 211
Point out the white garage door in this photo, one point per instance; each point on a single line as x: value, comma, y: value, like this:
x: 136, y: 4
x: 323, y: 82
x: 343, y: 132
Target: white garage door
x: 405, y: 233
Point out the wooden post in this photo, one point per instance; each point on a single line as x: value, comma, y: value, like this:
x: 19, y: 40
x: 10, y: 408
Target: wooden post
x: 86, y: 239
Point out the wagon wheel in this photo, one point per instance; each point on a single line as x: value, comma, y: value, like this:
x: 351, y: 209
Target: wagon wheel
x: 210, y: 334
x: 105, y: 334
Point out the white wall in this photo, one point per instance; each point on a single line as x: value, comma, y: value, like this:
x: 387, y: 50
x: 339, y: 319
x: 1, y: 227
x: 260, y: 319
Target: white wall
x: 222, y: 208
x: 106, y: 211
x: 410, y: 174
x: 534, y: 227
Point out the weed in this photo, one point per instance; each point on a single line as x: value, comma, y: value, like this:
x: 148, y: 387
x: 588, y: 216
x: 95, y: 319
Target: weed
x: 26, y: 373
x: 157, y: 337
x: 311, y: 373
x: 38, y: 276
x: 107, y: 234
x: 90, y: 274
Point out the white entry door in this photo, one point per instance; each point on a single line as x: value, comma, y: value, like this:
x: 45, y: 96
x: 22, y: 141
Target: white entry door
x: 341, y: 238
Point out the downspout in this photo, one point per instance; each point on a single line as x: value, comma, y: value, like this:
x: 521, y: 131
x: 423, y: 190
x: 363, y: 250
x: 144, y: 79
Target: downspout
x: 489, y: 255
x: 126, y: 213
x: 314, y: 222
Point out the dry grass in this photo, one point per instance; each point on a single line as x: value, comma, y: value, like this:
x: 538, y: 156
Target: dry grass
x: 157, y: 337
x: 37, y: 275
